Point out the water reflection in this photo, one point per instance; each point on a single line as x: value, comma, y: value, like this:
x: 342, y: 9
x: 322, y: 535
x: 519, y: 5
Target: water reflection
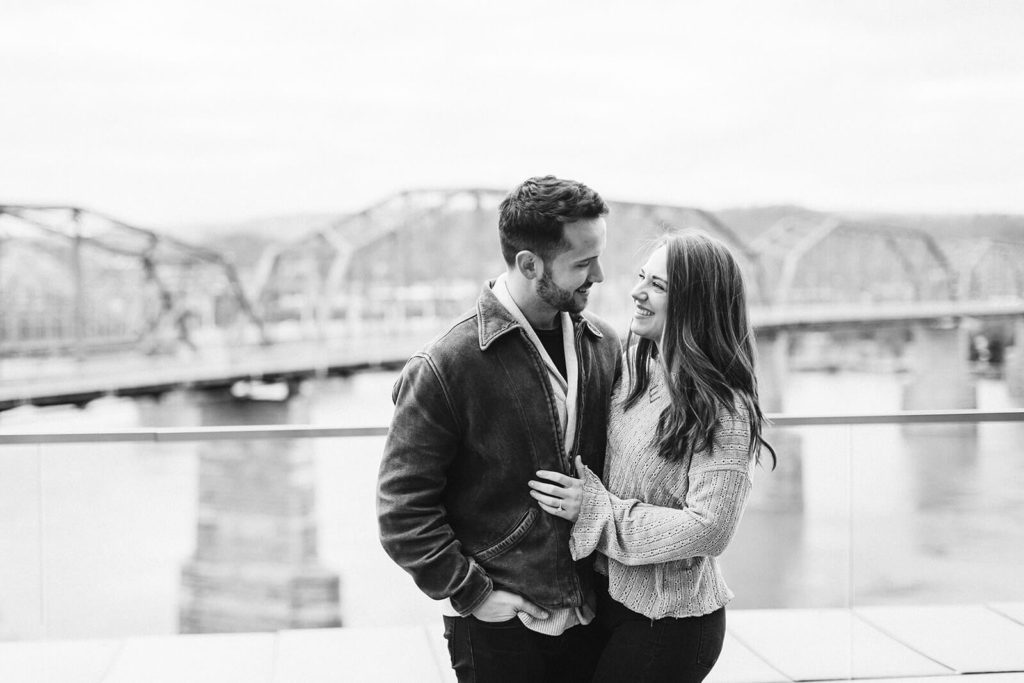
x: 863, y: 515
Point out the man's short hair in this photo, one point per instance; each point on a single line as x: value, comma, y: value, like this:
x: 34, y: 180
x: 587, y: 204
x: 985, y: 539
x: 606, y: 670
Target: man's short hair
x: 532, y: 216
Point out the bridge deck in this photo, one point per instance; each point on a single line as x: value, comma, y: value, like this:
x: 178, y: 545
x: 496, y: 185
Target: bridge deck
x: 885, y: 644
x: 64, y: 381
x: 33, y: 383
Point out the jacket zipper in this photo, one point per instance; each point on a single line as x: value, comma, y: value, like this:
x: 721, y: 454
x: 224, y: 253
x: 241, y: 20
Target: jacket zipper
x: 560, y: 440
x: 546, y: 383
x: 580, y: 402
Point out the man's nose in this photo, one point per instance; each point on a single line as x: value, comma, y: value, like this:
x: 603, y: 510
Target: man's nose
x: 596, y: 272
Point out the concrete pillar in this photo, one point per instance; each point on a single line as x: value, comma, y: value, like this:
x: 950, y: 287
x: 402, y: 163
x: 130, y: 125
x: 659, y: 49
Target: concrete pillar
x: 772, y: 368
x: 940, y: 378
x: 780, y: 490
x: 1014, y: 368
x: 174, y: 409
x: 255, y: 564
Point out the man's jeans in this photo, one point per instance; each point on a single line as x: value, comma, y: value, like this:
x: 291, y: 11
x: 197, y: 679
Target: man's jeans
x: 507, y: 651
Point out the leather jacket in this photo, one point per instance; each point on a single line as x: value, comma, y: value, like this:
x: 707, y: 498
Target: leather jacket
x: 475, y: 418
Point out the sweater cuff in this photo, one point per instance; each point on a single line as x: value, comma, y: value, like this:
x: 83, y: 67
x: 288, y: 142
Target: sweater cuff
x: 586, y: 531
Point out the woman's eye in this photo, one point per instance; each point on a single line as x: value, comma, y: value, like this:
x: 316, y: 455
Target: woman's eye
x: 660, y: 287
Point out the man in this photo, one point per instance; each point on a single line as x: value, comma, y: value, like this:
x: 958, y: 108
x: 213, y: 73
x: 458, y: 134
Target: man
x: 521, y: 383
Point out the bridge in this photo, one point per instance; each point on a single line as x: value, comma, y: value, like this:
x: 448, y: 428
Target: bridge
x: 91, y: 307
x: 140, y: 312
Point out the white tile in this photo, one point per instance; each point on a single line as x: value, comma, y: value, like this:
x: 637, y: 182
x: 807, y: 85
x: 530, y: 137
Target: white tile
x: 367, y: 655
x: 968, y: 639
x: 957, y: 678
x: 809, y: 644
x: 70, y: 661
x: 1014, y: 610
x: 212, y: 658
x: 738, y: 664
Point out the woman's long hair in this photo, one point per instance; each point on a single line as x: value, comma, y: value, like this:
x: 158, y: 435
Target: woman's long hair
x: 706, y: 352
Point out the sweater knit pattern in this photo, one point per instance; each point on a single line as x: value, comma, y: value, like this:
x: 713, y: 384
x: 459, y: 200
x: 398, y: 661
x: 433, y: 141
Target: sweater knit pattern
x: 660, y: 523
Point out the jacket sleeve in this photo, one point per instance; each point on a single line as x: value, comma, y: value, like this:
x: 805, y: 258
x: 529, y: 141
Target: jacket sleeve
x: 414, y: 530
x: 637, y: 533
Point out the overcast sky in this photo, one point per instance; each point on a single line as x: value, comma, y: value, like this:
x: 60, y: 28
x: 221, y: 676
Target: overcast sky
x: 195, y: 111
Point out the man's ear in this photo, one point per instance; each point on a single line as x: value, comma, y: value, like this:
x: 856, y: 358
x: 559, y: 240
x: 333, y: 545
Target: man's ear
x: 529, y: 265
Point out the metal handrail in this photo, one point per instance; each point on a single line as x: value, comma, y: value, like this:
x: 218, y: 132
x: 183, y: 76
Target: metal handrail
x: 178, y: 434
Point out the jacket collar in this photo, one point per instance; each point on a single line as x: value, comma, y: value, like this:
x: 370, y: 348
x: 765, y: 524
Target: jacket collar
x: 494, y: 320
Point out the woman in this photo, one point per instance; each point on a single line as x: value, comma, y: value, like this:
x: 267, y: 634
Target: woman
x: 684, y: 432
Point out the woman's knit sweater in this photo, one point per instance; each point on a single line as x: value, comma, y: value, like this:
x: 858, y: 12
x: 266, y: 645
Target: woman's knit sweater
x: 662, y: 523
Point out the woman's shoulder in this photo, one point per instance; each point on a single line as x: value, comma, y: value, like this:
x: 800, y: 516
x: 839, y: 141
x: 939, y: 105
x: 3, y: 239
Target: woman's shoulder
x: 730, y: 447
x: 734, y: 412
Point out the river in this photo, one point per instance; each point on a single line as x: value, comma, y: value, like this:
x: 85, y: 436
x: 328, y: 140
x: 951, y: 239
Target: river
x: 93, y: 537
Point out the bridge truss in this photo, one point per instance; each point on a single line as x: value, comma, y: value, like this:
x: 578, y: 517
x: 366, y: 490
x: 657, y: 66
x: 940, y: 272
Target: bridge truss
x: 73, y: 280
x: 812, y: 258
x: 423, y: 255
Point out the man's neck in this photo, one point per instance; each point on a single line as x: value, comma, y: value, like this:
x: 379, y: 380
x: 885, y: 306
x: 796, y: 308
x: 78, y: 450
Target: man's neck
x: 540, y: 315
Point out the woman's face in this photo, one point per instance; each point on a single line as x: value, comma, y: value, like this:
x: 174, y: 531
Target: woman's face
x: 650, y: 297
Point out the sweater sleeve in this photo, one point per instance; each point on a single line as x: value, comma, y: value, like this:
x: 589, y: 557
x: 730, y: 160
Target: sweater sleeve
x: 637, y: 533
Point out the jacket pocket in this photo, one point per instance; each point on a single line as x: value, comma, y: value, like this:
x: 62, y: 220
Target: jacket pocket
x: 510, y: 539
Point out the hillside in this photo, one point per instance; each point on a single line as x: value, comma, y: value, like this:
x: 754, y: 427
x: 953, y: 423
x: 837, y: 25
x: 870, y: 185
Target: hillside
x: 244, y: 242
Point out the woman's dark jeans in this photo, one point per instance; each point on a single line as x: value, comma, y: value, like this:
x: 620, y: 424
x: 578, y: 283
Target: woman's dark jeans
x: 641, y: 650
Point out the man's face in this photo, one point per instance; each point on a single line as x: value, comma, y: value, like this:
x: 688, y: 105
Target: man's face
x: 565, y: 283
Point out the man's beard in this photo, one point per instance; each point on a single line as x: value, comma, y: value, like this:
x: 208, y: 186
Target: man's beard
x: 556, y: 297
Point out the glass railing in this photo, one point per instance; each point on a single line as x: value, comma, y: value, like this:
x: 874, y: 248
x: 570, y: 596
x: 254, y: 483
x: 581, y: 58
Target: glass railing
x: 160, y: 531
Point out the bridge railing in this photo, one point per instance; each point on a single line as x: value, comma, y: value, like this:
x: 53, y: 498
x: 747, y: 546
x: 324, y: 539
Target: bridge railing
x: 128, y: 532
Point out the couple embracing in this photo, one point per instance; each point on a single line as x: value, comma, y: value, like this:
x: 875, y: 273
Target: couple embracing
x: 568, y: 501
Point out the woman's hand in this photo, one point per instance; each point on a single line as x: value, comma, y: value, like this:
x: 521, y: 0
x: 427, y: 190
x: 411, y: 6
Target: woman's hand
x: 563, y: 496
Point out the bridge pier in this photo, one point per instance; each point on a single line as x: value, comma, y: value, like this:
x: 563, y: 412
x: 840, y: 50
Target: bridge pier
x: 173, y: 409
x: 782, y: 489
x: 940, y: 378
x: 1014, y: 367
x: 255, y: 564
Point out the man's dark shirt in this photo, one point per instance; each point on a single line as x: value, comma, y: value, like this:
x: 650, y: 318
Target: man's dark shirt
x: 552, y: 341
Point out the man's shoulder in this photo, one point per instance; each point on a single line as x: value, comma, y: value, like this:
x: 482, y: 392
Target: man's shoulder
x: 456, y: 338
x: 609, y: 335
x: 437, y: 356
